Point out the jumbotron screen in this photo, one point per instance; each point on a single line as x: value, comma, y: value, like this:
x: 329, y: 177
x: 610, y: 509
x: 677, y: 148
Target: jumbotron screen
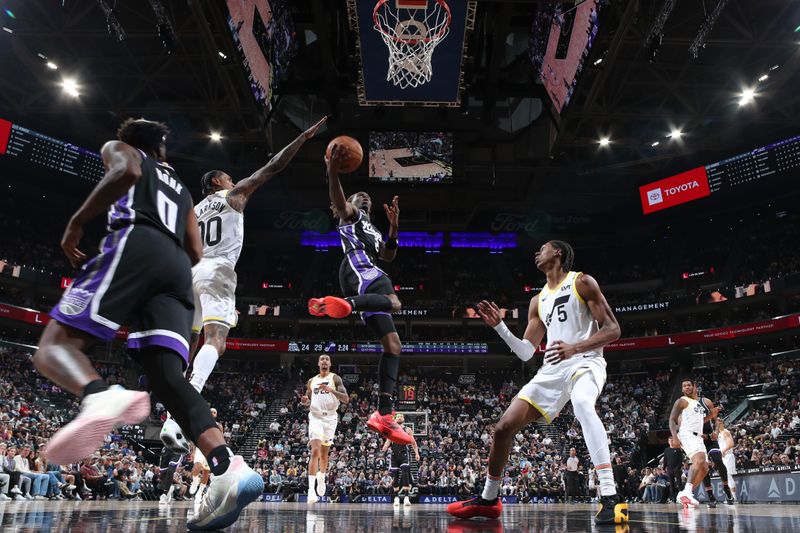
x: 411, y: 156
x: 248, y: 21
x: 568, y: 47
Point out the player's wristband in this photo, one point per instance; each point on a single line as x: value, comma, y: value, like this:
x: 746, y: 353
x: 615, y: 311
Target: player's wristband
x: 391, y: 243
x: 522, y: 348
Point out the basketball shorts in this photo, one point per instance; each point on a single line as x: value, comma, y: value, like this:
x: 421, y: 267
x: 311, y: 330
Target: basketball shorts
x: 322, y: 427
x: 358, y: 275
x: 729, y: 461
x: 141, y: 278
x: 550, y: 389
x: 692, y: 444
x: 214, y: 283
x: 399, y: 459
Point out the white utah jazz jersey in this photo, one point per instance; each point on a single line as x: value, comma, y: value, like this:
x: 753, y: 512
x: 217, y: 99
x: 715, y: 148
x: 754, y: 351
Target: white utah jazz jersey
x: 692, y: 416
x: 221, y: 227
x: 566, y: 315
x: 323, y: 401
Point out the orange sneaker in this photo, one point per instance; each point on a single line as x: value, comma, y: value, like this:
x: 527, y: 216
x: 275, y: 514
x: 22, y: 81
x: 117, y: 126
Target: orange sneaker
x: 477, y: 506
x: 386, y: 426
x: 330, y: 306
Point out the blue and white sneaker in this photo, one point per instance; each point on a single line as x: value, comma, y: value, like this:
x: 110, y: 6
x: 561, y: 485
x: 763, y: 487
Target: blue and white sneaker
x: 227, y: 495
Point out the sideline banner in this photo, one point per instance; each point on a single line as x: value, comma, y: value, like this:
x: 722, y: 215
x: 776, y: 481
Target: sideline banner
x: 778, y: 486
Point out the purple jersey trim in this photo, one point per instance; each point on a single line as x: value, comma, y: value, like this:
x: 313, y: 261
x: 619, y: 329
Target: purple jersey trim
x: 75, y: 307
x: 160, y: 340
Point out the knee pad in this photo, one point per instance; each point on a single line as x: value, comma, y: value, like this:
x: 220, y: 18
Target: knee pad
x: 381, y: 324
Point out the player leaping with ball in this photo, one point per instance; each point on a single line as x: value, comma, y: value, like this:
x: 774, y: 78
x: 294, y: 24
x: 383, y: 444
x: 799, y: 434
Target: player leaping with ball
x: 578, y: 321
x: 366, y: 287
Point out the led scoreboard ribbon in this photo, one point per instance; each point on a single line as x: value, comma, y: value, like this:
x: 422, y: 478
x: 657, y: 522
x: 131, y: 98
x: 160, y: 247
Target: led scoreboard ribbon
x: 777, y: 159
x: 31, y: 146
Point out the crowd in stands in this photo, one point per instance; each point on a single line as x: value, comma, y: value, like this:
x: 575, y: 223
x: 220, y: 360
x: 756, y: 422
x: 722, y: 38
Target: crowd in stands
x: 32, y: 409
x: 454, y: 449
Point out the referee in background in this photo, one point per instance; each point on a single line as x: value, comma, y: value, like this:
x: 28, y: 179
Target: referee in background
x: 572, y: 474
x: 673, y: 464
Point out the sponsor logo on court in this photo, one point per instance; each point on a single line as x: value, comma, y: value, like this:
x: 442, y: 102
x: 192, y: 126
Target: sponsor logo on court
x: 75, y: 301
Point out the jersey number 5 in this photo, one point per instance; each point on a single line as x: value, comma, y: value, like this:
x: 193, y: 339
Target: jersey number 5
x: 211, y: 231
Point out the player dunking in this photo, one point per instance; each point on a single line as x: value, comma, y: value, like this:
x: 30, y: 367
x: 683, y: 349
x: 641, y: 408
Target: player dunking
x: 140, y: 278
x: 578, y: 321
x: 221, y: 220
x: 401, y: 464
x: 366, y: 287
x: 687, y: 433
x: 324, y: 393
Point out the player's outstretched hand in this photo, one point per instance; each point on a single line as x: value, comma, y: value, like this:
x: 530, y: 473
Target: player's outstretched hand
x: 393, y: 211
x: 69, y: 243
x: 310, y: 132
x: 489, y: 312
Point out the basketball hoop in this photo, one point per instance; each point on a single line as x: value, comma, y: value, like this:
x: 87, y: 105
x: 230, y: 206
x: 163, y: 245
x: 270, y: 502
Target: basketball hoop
x: 411, y: 30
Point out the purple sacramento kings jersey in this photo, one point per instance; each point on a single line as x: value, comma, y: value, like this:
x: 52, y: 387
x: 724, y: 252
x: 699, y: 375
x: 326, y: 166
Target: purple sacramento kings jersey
x: 159, y: 199
x: 361, y: 235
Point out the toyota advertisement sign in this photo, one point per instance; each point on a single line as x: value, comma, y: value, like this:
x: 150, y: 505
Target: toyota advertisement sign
x: 675, y: 190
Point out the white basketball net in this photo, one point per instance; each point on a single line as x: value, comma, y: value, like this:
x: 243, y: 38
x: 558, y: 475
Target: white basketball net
x: 411, y: 34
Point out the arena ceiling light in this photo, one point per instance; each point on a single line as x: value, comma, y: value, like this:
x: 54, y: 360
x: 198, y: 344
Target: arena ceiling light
x: 763, y: 77
x: 70, y: 87
x: 52, y: 66
x: 675, y: 134
x: 654, y: 143
x: 747, y: 96
x: 215, y: 136
x: 605, y: 141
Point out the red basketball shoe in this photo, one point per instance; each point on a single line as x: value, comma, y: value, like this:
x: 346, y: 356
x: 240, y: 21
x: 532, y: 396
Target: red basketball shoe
x: 477, y: 506
x: 330, y: 306
x: 386, y: 426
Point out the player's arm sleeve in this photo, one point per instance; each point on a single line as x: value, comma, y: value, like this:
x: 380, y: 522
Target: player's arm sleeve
x: 525, y: 347
x: 522, y: 348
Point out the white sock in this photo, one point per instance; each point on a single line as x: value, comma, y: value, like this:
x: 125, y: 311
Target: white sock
x: 320, y: 477
x: 490, y: 489
x: 312, y: 480
x: 199, y: 494
x: 606, y: 477
x: 688, y: 488
x: 204, y: 363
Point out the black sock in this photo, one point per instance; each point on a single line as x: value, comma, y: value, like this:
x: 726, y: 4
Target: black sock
x: 385, y: 404
x: 370, y: 302
x: 710, y: 493
x: 219, y: 459
x: 388, y: 368
x: 94, y: 387
x: 727, y: 490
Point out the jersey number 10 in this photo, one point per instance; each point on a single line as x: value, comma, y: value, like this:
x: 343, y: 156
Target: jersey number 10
x: 211, y: 231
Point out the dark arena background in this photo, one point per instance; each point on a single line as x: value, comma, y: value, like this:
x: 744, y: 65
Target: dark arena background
x: 661, y: 139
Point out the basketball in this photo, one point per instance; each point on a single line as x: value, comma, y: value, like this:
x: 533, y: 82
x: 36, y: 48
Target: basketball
x: 354, y: 152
